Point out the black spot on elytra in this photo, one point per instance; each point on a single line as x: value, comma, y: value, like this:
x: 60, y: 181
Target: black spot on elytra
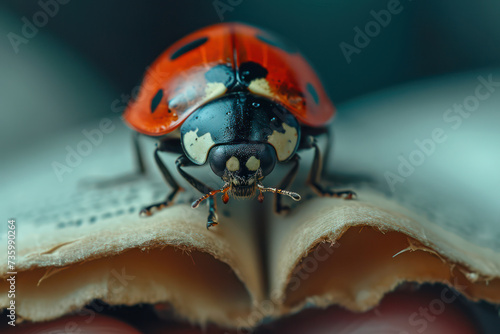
x: 188, y: 47
x: 156, y: 100
x: 220, y: 73
x: 277, y: 43
x: 310, y: 88
x: 250, y: 71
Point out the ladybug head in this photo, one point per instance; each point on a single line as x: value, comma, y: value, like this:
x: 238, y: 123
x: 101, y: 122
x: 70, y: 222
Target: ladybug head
x: 242, y: 167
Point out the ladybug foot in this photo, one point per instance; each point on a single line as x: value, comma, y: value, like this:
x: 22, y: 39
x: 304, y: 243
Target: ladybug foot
x: 346, y: 194
x: 212, y: 219
x: 283, y: 210
x: 149, y: 210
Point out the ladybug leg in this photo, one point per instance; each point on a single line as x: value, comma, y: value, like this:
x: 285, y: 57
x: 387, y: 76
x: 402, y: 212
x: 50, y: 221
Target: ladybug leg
x: 287, y: 180
x: 147, y: 211
x: 139, y: 160
x: 183, y: 161
x: 213, y: 219
x: 315, y: 174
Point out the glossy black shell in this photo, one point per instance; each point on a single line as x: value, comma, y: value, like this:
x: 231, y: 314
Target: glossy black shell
x: 240, y: 117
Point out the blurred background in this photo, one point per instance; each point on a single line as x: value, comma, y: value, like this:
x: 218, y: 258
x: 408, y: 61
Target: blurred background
x: 67, y: 64
x: 88, y: 53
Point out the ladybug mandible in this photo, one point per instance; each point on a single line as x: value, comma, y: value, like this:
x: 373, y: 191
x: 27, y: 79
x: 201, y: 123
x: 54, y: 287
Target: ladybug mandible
x: 240, y: 99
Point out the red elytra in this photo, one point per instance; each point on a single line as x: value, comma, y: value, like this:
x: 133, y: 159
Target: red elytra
x: 178, y: 74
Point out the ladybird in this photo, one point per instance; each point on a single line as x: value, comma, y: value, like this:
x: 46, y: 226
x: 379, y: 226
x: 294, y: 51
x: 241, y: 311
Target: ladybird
x: 239, y: 99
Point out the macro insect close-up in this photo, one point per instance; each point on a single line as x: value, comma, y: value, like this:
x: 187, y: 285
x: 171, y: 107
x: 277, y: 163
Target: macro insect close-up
x: 239, y: 99
x: 232, y: 166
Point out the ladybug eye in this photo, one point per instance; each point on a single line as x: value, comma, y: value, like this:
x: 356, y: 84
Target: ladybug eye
x: 218, y: 158
x: 156, y: 100
x: 267, y: 160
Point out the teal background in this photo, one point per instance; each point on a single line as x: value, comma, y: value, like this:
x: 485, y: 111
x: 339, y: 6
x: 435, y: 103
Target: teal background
x: 92, y: 54
x: 114, y: 41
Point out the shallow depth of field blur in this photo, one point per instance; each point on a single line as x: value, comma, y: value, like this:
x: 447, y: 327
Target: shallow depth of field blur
x: 65, y: 65
x: 89, y: 53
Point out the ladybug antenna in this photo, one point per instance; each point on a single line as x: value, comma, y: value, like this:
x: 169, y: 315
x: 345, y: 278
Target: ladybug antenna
x: 262, y: 189
x: 224, y: 190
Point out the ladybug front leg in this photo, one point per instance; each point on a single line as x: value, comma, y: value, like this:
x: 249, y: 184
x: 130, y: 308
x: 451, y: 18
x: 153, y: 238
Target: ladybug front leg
x: 212, y: 212
x: 183, y: 161
x: 315, y: 174
x: 287, y: 180
x: 147, y: 211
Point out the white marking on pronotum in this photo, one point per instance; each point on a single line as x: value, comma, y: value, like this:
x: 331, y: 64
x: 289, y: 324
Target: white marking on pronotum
x: 213, y: 90
x: 233, y: 164
x: 197, y: 147
x: 260, y: 87
x: 284, y: 143
x: 253, y: 163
